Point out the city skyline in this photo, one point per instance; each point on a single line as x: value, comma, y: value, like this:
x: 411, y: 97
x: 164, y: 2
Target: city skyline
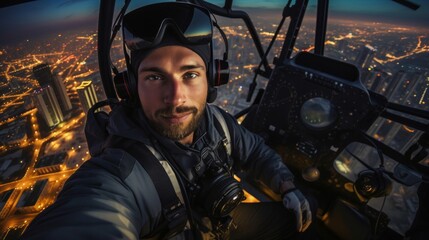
x: 396, y: 56
x: 38, y: 18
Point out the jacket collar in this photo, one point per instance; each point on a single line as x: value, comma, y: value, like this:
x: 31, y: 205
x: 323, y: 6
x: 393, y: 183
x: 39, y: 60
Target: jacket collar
x: 130, y: 122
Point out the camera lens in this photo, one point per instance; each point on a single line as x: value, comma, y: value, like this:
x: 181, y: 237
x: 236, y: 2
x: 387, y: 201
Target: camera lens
x: 222, y: 195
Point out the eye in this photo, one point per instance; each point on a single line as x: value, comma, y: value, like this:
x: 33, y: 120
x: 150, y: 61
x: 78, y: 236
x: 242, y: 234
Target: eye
x: 191, y: 75
x: 153, y: 77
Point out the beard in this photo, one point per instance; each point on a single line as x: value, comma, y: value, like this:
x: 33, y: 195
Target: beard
x: 177, y: 131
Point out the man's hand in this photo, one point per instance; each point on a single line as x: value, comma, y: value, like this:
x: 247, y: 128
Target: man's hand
x: 294, y: 200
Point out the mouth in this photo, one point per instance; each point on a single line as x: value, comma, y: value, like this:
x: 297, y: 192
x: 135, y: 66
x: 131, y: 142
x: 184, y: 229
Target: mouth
x: 177, y: 118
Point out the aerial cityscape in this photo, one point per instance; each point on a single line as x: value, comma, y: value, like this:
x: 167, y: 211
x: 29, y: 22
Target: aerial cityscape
x: 48, y: 85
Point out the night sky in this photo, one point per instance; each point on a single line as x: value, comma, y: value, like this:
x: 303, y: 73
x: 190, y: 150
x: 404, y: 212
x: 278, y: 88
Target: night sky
x: 48, y: 16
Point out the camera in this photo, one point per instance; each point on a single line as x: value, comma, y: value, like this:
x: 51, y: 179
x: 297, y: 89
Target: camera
x: 219, y: 192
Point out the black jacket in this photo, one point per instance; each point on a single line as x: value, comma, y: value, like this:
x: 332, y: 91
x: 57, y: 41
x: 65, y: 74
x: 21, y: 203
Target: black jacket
x: 111, y: 196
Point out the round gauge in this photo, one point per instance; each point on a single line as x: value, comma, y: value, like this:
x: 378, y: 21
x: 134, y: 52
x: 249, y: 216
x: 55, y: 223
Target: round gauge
x: 318, y: 113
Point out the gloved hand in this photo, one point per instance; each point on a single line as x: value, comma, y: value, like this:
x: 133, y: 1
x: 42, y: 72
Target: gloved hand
x: 294, y: 200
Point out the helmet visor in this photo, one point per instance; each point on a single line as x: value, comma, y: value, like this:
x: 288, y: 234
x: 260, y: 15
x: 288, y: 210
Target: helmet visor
x: 145, y: 27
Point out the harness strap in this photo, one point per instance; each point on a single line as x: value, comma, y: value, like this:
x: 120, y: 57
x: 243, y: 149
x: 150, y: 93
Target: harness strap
x: 219, y: 117
x: 159, y: 171
x: 169, y: 170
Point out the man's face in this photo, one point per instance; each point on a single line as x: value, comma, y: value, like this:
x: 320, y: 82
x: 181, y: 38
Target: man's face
x: 172, y: 87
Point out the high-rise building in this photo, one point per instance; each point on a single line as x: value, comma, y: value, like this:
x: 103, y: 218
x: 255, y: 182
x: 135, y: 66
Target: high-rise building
x: 61, y: 93
x: 44, y: 76
x: 48, y: 106
x: 405, y: 88
x: 398, y: 78
x: 423, y: 97
x: 376, y: 83
x: 87, y: 95
x: 418, y: 94
x: 365, y: 56
x: 342, y: 45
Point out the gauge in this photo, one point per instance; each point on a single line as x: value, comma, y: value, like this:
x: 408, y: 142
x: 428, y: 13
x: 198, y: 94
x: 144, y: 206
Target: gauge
x: 318, y: 113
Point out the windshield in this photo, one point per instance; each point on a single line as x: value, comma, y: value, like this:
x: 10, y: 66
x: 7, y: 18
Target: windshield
x: 49, y: 77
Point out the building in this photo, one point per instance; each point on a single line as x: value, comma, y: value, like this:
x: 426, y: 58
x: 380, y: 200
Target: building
x: 61, y: 93
x: 13, y: 134
x: 405, y: 89
x: 342, y: 45
x: 48, y: 106
x: 51, y: 163
x: 365, y: 57
x: 375, y: 80
x: 28, y: 202
x: 44, y: 76
x: 87, y: 95
x: 4, y: 196
x: 398, y: 78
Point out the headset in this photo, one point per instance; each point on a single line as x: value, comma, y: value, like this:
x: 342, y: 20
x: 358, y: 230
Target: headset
x: 125, y: 82
x: 372, y: 182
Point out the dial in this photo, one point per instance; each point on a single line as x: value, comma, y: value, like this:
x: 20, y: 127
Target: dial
x: 318, y: 113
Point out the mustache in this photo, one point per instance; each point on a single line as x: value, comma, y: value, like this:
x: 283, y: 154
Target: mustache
x: 168, y: 111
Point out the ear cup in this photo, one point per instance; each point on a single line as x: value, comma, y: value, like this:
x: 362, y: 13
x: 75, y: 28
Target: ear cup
x: 372, y: 184
x: 120, y: 81
x: 221, y: 72
x: 126, y: 85
x: 211, y: 95
x: 218, y: 73
x: 132, y: 86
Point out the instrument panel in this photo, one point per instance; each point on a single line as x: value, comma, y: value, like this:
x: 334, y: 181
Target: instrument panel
x: 313, y: 100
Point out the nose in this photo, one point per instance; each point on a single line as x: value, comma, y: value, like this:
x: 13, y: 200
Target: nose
x: 175, y: 93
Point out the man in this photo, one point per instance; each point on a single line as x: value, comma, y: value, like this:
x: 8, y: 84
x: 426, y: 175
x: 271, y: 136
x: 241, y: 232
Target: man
x: 112, y: 196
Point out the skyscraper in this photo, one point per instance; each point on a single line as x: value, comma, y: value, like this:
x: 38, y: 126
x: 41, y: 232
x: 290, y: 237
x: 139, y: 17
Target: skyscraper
x: 48, y: 106
x: 61, y: 93
x: 87, y: 95
x: 405, y: 88
x: 44, y: 76
x: 374, y: 79
x: 365, y: 56
x: 397, y: 79
x: 342, y: 45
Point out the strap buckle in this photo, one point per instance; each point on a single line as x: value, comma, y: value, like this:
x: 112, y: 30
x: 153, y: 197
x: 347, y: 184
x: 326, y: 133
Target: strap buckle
x: 174, y: 212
